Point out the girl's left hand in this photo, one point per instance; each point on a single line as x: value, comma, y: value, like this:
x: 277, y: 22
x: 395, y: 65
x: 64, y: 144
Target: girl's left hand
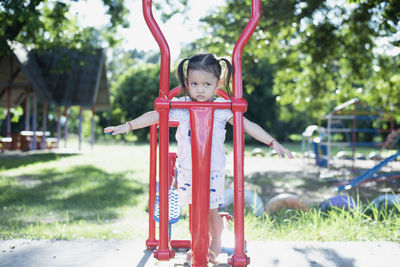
x: 281, y: 150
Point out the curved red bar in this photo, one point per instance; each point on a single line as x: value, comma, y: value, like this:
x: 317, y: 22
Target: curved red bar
x: 164, y: 48
x: 174, y: 92
x: 237, y: 51
x: 161, y: 104
x: 239, y: 258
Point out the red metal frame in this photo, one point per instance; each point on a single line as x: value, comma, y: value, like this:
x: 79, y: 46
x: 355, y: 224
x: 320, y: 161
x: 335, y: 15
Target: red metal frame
x: 201, y: 119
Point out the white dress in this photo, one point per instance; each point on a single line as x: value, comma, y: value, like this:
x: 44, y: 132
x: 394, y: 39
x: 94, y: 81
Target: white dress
x: 218, y: 158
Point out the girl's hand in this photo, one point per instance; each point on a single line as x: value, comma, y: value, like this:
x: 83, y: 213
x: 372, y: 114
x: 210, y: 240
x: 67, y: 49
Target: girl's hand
x: 281, y: 150
x: 114, y: 130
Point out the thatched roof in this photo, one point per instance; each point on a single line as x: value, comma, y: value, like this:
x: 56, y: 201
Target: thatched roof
x: 61, y: 76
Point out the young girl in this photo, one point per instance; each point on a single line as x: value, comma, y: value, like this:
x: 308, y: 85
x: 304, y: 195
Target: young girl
x: 200, y: 81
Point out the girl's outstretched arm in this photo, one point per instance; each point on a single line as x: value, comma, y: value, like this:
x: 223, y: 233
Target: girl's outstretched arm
x: 142, y: 121
x: 255, y: 130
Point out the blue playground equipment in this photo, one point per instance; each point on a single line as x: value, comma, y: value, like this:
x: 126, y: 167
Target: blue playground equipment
x: 370, y: 174
x: 350, y: 125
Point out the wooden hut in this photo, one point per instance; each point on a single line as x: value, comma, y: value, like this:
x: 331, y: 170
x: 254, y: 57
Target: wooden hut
x: 62, y: 77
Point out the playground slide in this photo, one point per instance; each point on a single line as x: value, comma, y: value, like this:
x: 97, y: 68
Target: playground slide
x: 368, y: 174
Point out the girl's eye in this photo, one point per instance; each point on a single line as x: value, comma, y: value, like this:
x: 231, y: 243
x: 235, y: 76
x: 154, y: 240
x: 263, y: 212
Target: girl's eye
x: 208, y: 84
x: 193, y: 84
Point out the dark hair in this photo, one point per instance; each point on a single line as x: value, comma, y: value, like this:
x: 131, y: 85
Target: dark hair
x: 208, y: 63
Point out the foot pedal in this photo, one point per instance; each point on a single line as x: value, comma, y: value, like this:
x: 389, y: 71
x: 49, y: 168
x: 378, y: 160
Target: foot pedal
x: 174, y: 211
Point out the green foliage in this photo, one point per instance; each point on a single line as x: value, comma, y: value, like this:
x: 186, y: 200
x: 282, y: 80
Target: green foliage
x: 171, y: 8
x: 43, y: 24
x: 134, y: 94
x: 322, y: 52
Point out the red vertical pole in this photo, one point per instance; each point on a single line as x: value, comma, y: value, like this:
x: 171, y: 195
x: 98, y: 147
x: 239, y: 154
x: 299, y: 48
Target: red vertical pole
x: 151, y: 242
x: 239, y: 106
x: 162, y: 106
x: 201, y: 125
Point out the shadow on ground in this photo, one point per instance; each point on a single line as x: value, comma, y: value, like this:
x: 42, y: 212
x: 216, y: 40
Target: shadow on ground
x: 330, y: 256
x: 82, y: 192
x: 15, y: 161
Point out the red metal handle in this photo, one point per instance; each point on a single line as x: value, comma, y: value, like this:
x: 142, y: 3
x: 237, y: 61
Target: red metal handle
x: 161, y: 105
x: 177, y: 90
x: 237, y: 51
x: 164, y: 48
x: 238, y: 107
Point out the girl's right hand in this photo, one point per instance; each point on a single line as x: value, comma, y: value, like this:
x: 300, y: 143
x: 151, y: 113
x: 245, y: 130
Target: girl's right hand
x: 114, y: 130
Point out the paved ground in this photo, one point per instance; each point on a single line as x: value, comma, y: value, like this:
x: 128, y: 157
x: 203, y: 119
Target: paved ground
x: 117, y: 253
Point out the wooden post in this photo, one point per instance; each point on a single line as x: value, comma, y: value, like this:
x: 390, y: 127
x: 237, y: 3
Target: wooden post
x: 92, y: 129
x: 27, y: 110
x: 66, y: 126
x: 34, y: 122
x: 44, y: 125
x: 8, y: 112
x: 58, y: 126
x: 80, y: 127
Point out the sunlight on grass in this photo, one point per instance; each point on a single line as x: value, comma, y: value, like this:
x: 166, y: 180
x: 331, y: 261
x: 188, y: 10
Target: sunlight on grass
x: 103, y: 194
x: 97, y: 194
x: 335, y: 225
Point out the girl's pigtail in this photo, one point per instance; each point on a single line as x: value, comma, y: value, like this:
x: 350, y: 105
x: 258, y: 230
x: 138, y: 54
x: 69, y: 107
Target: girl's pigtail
x: 228, y: 75
x: 181, y: 75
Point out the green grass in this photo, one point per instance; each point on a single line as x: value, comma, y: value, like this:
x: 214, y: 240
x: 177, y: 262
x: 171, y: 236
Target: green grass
x: 98, y: 194
x: 103, y: 193
x: 336, y: 225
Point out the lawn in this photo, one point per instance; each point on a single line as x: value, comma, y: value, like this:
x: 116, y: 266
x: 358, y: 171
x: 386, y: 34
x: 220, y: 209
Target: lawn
x: 103, y: 194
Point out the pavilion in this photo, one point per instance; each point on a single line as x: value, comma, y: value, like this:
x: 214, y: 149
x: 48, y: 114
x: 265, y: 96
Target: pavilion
x: 62, y: 77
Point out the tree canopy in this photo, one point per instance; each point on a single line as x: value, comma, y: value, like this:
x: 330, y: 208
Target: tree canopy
x: 305, y: 57
x: 323, y: 52
x: 43, y: 24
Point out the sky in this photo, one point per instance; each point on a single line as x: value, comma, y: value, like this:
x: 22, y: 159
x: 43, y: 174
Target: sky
x: 176, y: 31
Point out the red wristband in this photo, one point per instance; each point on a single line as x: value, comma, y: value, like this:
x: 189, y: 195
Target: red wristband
x: 270, y: 144
x: 130, y: 125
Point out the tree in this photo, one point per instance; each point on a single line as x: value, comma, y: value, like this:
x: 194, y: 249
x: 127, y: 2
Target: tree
x: 43, y: 24
x: 133, y: 94
x: 322, y: 51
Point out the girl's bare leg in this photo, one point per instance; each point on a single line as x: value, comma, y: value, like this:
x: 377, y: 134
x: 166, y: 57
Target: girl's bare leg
x: 216, y: 227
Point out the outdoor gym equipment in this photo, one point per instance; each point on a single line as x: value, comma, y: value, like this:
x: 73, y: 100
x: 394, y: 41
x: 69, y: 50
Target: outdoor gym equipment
x: 201, y: 123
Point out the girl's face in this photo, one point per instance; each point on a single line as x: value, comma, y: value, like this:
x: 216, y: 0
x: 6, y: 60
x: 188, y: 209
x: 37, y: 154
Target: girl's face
x: 202, y: 85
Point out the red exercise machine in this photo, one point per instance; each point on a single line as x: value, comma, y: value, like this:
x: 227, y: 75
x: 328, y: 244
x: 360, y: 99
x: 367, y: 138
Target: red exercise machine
x: 201, y: 123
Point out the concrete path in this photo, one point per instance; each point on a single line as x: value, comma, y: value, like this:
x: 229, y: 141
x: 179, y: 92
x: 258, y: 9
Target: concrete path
x: 119, y: 253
